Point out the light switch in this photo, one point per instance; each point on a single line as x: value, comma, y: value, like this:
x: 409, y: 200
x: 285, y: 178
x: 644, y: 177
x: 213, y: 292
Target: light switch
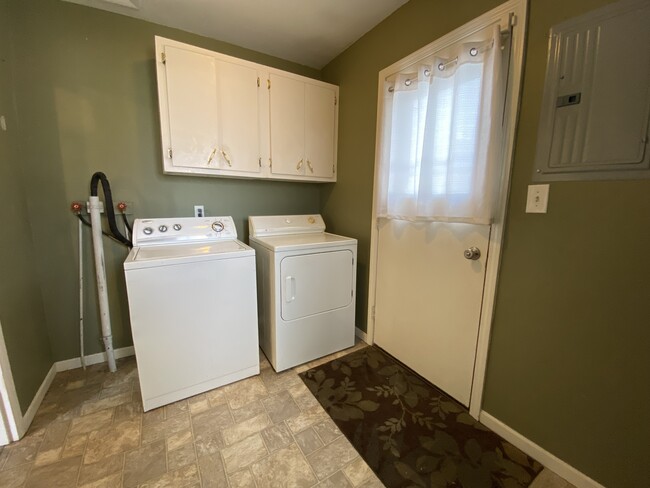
x: 537, y: 201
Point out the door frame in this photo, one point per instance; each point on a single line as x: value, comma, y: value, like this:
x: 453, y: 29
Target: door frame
x: 11, y: 417
x: 515, y: 11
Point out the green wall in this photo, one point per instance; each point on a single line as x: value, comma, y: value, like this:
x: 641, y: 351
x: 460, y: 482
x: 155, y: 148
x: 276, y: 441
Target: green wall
x: 22, y: 315
x: 568, y: 365
x: 87, y: 101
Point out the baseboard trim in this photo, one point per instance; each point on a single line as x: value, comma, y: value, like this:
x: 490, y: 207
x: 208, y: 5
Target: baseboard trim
x: 27, y: 419
x: 361, y: 335
x: 99, y: 357
x: 555, y: 464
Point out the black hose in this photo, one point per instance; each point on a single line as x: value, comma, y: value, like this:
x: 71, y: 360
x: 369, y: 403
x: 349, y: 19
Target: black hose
x: 126, y: 222
x: 108, y: 205
x: 86, y: 223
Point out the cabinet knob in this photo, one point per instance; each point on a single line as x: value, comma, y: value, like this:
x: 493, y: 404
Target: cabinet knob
x: 299, y: 165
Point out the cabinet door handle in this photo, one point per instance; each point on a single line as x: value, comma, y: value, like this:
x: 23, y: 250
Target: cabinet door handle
x: 225, y: 156
x: 211, y: 156
x: 311, y: 168
x: 299, y: 165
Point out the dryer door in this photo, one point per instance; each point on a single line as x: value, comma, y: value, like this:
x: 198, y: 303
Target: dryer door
x: 315, y: 283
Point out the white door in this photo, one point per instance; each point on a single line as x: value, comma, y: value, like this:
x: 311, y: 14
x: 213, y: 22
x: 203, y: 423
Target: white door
x: 440, y: 167
x: 10, y: 416
x: 428, y: 299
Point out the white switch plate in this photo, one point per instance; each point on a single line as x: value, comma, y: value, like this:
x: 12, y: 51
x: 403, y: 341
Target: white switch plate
x: 199, y: 211
x: 537, y: 200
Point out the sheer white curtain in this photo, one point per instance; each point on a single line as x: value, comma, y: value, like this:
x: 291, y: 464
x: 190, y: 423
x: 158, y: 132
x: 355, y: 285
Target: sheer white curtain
x: 441, y: 136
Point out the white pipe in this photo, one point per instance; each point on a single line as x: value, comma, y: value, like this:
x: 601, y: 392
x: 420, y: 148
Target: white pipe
x: 94, y: 206
x: 81, y: 296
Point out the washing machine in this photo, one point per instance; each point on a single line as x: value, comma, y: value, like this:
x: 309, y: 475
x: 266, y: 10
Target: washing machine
x: 306, y: 287
x: 193, y: 307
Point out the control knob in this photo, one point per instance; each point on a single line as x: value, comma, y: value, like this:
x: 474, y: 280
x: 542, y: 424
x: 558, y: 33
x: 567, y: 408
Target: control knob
x: 177, y: 227
x: 217, y: 226
x: 162, y: 228
x: 147, y: 231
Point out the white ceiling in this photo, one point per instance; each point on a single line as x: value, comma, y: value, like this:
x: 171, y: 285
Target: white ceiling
x: 309, y: 32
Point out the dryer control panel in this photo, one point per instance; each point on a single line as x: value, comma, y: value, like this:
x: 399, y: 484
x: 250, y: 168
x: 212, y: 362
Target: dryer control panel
x: 277, y: 225
x: 179, y: 230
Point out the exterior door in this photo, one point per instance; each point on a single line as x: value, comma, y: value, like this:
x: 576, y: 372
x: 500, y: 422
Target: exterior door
x: 428, y: 299
x: 440, y: 169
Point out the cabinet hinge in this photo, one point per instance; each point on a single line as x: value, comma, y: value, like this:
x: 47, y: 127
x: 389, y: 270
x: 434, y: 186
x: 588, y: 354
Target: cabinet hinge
x: 333, y: 169
x: 513, y: 19
x: 373, y: 312
x: 270, y: 163
x: 268, y: 83
x: 163, y: 58
x: 258, y: 82
x: 169, y: 153
x: 259, y: 160
x: 335, y: 100
x: 351, y: 293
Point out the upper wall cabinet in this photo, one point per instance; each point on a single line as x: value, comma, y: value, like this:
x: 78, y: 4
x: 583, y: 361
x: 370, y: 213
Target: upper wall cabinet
x: 303, y: 128
x: 223, y: 116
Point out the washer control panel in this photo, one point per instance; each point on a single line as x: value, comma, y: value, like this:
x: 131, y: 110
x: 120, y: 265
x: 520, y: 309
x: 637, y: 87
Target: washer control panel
x: 149, y: 232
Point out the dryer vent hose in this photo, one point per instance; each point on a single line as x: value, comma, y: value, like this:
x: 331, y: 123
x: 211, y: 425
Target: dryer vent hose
x: 108, y: 205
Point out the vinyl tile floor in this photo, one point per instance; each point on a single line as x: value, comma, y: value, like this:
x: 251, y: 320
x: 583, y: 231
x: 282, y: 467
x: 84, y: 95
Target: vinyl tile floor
x: 264, y: 431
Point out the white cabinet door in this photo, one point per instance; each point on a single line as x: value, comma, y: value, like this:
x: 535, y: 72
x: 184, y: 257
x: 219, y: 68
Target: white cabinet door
x: 303, y: 129
x: 210, y: 114
x: 192, y: 106
x: 238, y: 115
x: 287, y: 99
x: 320, y: 130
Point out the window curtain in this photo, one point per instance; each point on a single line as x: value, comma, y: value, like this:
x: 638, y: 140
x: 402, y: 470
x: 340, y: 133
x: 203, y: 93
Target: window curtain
x: 442, y: 135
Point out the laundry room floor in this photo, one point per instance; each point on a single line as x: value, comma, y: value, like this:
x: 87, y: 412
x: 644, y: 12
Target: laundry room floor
x: 264, y: 431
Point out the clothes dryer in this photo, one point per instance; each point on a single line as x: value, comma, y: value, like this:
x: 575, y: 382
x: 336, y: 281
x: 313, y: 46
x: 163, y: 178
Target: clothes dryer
x: 306, y: 288
x: 193, y: 307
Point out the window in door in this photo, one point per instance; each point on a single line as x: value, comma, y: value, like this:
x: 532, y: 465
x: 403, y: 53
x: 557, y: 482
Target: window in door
x: 442, y: 133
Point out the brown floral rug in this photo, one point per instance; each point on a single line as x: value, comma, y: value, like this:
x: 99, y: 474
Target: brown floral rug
x: 410, y: 433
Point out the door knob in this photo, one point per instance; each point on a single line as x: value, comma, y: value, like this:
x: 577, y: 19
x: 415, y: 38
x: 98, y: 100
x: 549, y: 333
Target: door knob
x: 472, y: 253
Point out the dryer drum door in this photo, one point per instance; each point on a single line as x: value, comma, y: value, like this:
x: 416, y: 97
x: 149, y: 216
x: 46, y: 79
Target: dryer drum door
x: 315, y: 283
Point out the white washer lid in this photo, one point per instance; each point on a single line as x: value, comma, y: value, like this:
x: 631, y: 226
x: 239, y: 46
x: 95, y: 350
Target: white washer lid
x: 152, y: 256
x: 292, y: 242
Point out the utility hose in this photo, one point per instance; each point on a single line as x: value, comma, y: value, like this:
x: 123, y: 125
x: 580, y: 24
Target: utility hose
x: 108, y: 205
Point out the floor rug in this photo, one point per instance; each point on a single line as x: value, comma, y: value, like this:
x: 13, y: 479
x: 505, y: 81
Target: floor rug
x: 410, y: 433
